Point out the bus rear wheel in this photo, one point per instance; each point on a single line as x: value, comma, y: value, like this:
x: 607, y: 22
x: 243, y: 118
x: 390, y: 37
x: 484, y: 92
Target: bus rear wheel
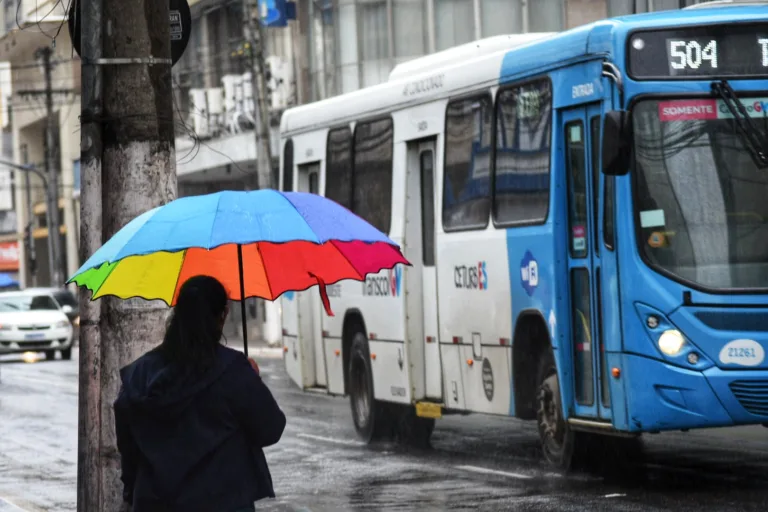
x: 369, y: 415
x: 557, y: 439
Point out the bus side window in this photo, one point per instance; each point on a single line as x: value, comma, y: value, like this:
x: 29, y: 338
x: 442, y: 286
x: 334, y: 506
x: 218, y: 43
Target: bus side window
x: 522, y: 161
x: 467, y: 176
x: 288, y: 166
x: 577, y: 183
x: 594, y: 139
x: 426, y: 165
x: 608, y: 216
x: 338, y: 167
x: 372, y: 179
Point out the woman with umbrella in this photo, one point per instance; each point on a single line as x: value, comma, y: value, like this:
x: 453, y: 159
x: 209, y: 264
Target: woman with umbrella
x: 193, y: 416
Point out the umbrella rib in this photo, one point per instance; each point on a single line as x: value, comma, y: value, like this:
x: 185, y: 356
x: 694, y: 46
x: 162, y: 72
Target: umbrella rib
x: 264, y: 266
x: 215, y: 214
x: 333, y: 243
x: 94, y: 292
x: 178, y: 276
x: 303, y: 217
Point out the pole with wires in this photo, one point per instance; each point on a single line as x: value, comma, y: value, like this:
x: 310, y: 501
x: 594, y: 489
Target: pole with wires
x: 128, y: 167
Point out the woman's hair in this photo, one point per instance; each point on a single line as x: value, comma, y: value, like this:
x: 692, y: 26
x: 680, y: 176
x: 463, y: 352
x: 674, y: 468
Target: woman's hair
x: 194, y: 329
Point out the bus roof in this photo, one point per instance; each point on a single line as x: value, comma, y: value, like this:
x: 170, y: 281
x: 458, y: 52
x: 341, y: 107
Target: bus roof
x: 404, y: 89
x: 463, y: 52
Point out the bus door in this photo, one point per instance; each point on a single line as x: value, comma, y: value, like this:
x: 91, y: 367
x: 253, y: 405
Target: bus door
x: 581, y: 157
x: 420, y: 251
x: 309, y: 304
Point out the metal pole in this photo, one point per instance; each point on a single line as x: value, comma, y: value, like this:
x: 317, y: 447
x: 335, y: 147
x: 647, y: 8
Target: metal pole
x: 31, y: 256
x: 51, y: 169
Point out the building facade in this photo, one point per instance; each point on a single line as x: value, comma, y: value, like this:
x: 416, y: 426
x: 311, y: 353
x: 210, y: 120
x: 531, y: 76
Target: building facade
x: 26, y: 27
x: 338, y: 46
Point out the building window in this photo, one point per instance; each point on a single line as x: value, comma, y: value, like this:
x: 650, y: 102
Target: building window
x: 466, y: 184
x: 373, y: 32
x: 338, y: 167
x: 372, y: 184
x: 523, y: 143
x: 346, y: 30
x: 409, y: 31
x: 500, y: 17
x: 545, y: 16
x: 454, y: 23
x: 288, y: 166
x: 322, y: 53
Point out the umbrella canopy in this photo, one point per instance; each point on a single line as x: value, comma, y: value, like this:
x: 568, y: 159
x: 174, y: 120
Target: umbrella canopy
x: 258, y: 244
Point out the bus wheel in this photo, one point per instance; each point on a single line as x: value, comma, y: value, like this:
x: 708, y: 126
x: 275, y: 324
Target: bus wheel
x: 557, y: 439
x: 368, y: 414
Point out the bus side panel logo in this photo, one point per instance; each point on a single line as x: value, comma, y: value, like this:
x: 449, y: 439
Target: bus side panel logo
x: 395, y: 278
x: 529, y: 273
x: 483, y: 275
x: 471, y: 277
x: 384, y: 286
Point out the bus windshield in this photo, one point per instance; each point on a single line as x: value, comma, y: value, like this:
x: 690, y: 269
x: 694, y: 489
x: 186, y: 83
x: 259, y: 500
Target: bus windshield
x: 701, y: 199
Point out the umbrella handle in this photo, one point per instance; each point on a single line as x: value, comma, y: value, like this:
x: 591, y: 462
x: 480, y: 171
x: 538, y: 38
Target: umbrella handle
x: 323, y: 295
x: 242, y: 298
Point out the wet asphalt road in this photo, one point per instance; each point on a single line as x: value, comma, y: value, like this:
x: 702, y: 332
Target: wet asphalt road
x: 476, y: 462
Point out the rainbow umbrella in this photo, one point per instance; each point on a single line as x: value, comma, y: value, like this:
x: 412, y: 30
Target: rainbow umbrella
x: 258, y: 244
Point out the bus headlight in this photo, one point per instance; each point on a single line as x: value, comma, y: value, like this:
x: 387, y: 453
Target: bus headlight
x: 671, y: 342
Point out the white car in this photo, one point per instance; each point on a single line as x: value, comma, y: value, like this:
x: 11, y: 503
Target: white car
x: 32, y: 321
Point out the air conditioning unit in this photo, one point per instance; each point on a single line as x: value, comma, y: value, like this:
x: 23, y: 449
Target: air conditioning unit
x: 199, y: 112
x: 230, y: 103
x: 215, y: 98
x: 280, y: 82
x: 249, y: 103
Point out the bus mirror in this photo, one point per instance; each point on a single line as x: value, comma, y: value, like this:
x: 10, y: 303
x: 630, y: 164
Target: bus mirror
x: 617, y: 141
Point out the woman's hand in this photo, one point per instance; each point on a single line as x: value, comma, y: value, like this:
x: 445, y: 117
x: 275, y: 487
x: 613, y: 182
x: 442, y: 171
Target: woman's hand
x: 254, y: 365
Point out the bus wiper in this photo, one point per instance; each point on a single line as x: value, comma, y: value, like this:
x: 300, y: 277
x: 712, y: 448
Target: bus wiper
x: 753, y: 139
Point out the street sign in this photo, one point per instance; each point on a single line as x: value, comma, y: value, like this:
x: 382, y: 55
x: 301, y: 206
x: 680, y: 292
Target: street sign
x: 276, y: 13
x: 180, y: 19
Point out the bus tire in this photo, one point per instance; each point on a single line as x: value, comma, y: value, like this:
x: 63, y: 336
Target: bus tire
x: 557, y: 439
x: 369, y: 415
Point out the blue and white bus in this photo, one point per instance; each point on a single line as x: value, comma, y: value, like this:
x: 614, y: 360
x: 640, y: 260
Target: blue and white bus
x: 587, y: 218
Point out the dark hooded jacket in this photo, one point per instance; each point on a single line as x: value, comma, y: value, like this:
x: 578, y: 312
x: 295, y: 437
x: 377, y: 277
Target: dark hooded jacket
x: 194, y: 444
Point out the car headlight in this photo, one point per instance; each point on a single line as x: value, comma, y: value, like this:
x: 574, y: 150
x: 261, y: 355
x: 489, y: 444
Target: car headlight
x: 6, y: 327
x: 61, y: 323
x: 671, y: 342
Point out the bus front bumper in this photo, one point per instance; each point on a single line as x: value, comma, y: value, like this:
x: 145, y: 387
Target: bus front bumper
x: 666, y: 397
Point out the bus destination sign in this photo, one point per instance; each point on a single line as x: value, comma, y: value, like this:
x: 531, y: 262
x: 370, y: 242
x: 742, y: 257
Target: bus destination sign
x: 721, y: 51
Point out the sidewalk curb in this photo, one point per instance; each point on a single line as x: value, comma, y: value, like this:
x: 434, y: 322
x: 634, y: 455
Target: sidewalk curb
x: 7, y: 506
x: 262, y: 351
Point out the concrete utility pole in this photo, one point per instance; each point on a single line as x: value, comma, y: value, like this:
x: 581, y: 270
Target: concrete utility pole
x: 128, y: 164
x: 253, y: 33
